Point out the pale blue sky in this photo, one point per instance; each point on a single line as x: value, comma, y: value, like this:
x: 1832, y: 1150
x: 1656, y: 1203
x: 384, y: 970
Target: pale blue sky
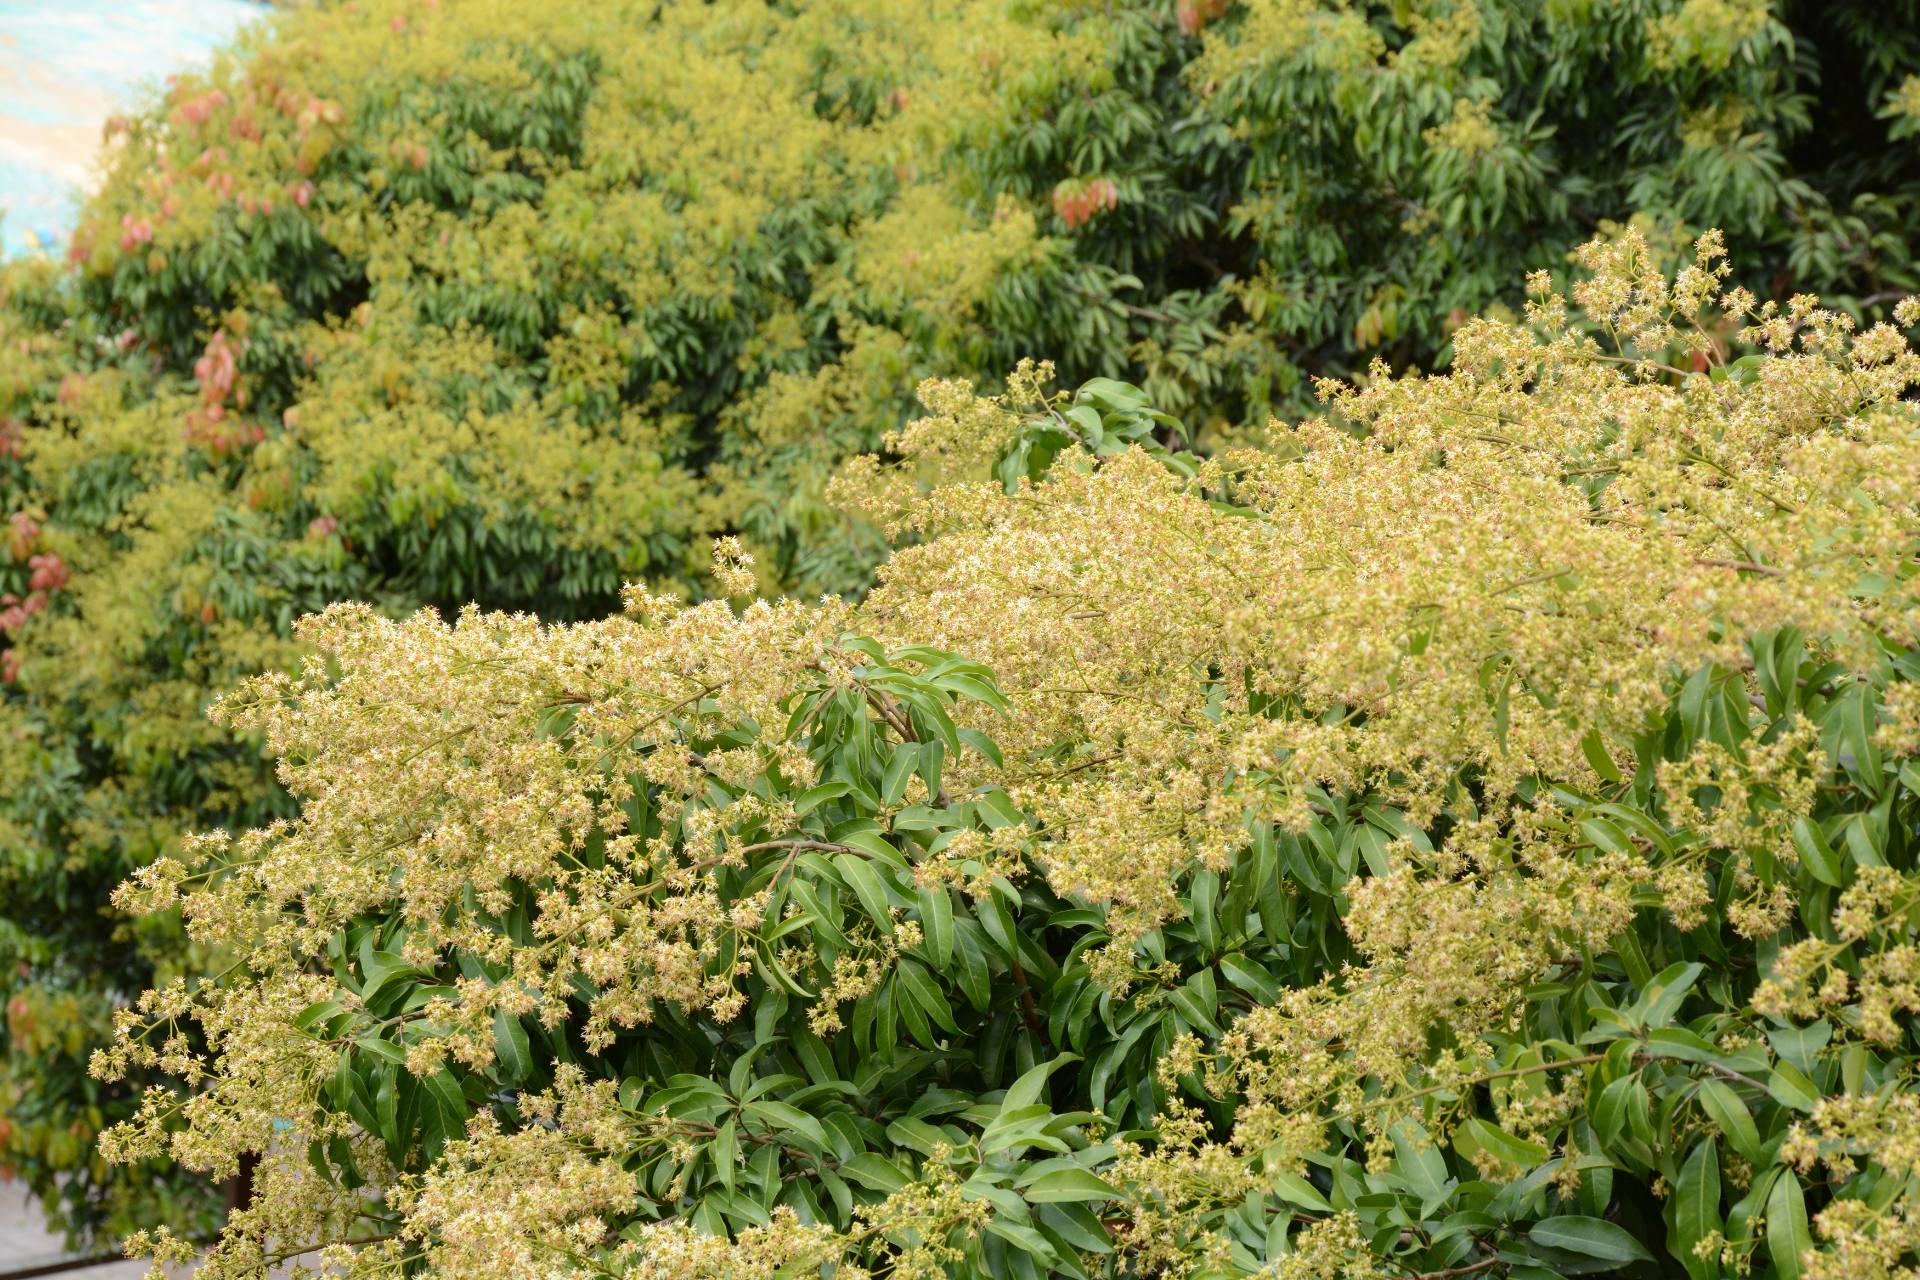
x: 65, y: 65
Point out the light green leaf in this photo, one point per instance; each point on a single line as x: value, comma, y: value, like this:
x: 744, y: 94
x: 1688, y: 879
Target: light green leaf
x: 384, y: 1050
x: 1595, y: 751
x: 726, y: 1153
x: 1296, y: 1190
x: 1068, y: 1184
x: 1025, y: 1091
x: 1816, y: 855
x: 1663, y: 996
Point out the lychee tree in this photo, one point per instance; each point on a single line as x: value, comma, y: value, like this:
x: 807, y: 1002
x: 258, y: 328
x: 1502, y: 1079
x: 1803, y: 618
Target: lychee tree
x: 413, y: 302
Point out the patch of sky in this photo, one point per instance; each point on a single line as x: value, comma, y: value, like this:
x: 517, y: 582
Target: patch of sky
x: 65, y: 66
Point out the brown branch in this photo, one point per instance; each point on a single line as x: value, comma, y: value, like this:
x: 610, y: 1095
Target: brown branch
x: 1744, y: 566
x: 890, y: 712
x: 1472, y: 1268
x: 1029, y: 1010
x: 824, y: 846
x: 1084, y: 764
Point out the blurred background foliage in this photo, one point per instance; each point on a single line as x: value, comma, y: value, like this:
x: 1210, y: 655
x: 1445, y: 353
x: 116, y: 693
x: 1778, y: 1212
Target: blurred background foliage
x: 425, y: 302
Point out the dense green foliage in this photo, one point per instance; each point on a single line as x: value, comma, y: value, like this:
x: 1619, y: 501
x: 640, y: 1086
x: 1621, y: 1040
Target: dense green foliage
x: 414, y: 303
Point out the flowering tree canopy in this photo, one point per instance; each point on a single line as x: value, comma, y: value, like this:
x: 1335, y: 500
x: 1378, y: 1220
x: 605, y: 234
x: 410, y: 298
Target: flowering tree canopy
x: 416, y: 302
x: 1471, y: 832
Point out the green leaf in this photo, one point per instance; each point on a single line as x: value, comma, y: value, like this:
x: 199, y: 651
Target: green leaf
x: 1696, y: 1209
x: 986, y: 746
x: 315, y: 1014
x: 1606, y: 837
x: 1250, y: 978
x: 814, y: 797
x: 1639, y: 972
x: 1194, y: 1009
x: 1787, y: 1234
x: 512, y: 1048
x: 1296, y: 1190
x: 1418, y: 1160
x: 1077, y: 1226
x: 349, y: 1088
x: 317, y: 1160
x: 1202, y: 898
x: 1024, y: 1238
x: 875, y: 1173
x: 997, y: 809
x: 1790, y: 1087
x: 1595, y: 750
x: 973, y: 689
x: 922, y: 989
x: 1023, y: 1127
x: 1592, y: 1237
x: 1373, y: 849
x: 1856, y: 732
x: 893, y: 784
x: 974, y: 977
x: 1676, y: 1042
x: 1609, y: 1112
x: 783, y: 1118
x: 384, y: 1050
x: 936, y: 924
x: 1662, y: 997
x: 1816, y: 855
x: 872, y: 842
x: 1732, y: 1118
x: 917, y: 1135
x: 1865, y: 841
x: 1798, y: 1045
x: 379, y: 968
x: 443, y: 1112
x: 1501, y: 1144
x: 865, y: 883
x: 1025, y: 1091
x: 396, y: 1105
x: 726, y: 1153
x: 1067, y: 1184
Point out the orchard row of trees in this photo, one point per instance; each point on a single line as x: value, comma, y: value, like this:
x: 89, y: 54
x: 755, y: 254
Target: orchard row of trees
x: 1120, y: 795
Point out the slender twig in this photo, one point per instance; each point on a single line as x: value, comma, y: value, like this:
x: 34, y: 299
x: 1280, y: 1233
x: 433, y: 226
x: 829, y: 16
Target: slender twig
x: 824, y: 846
x: 1744, y: 566
x: 1472, y: 1268
x: 1030, y: 1012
